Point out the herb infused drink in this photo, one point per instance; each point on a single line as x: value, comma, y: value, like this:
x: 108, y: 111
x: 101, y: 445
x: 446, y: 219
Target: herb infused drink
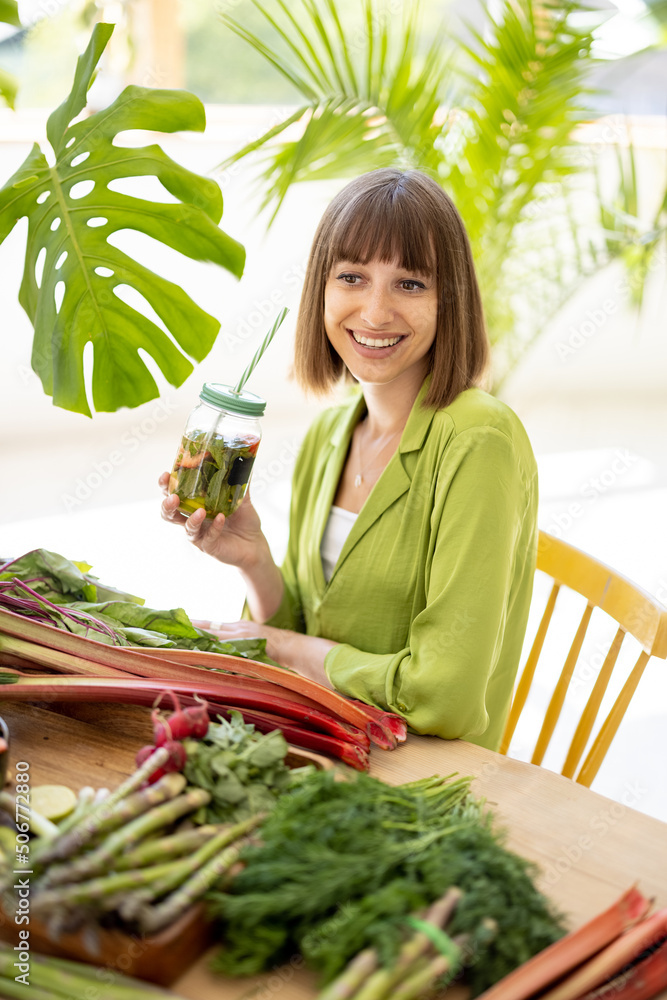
x: 216, y: 454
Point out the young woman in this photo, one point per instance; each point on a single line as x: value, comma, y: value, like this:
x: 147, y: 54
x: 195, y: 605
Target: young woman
x: 410, y: 562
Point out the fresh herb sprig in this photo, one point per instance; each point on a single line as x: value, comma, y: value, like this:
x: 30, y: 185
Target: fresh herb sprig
x: 244, y: 771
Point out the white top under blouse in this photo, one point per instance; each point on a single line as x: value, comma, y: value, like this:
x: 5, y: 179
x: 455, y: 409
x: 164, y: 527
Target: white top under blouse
x: 339, y: 525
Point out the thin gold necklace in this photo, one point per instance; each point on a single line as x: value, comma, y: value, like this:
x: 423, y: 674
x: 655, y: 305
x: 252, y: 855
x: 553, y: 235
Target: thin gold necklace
x: 363, y: 471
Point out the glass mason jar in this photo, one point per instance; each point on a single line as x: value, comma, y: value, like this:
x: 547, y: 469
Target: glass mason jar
x: 217, y: 452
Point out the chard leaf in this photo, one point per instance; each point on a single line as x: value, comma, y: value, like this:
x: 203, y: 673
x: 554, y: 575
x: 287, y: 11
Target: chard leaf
x: 83, y: 566
x: 102, y: 592
x: 73, y: 228
x: 59, y: 579
x: 51, y: 575
x: 250, y: 649
x: 171, y: 623
x: 144, y: 637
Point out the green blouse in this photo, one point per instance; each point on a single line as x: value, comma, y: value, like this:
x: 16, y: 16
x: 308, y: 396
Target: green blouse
x: 429, y: 598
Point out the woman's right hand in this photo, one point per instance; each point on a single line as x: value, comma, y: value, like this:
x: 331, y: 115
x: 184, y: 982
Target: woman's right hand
x: 237, y: 540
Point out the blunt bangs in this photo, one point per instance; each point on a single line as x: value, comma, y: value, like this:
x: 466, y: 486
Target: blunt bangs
x: 383, y: 225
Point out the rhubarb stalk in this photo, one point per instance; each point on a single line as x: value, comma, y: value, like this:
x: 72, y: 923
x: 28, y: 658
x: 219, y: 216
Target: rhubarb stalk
x: 117, y: 688
x: 570, y: 951
x: 397, y: 725
x: 641, y: 982
x: 349, y: 711
x: 143, y: 691
x: 613, y: 958
x: 353, y: 754
x: 176, y: 664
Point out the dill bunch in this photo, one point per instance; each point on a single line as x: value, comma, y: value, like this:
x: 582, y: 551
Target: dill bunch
x: 343, y: 863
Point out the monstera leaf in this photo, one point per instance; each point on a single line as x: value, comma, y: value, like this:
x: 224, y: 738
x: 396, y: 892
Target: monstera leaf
x: 76, y: 298
x: 9, y: 14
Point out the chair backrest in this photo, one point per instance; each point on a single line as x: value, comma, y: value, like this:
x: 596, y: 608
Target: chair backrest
x: 636, y: 613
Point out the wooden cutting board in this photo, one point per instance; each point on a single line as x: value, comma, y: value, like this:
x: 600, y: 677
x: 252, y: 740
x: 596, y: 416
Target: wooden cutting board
x: 83, y: 744
x: 589, y: 848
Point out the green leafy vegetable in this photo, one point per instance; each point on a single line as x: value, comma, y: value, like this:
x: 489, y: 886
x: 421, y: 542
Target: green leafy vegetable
x: 212, y: 471
x: 73, y: 228
x: 56, y: 577
x: 174, y: 623
x: 243, y: 770
x: 64, y: 594
x: 341, y: 865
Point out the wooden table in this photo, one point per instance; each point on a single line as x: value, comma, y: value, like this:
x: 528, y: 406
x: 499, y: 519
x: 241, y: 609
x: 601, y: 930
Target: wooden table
x: 589, y: 848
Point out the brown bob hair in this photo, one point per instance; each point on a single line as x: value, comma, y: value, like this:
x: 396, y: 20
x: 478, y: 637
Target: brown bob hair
x: 389, y: 215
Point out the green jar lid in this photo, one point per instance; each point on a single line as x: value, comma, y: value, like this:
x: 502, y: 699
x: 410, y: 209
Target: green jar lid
x: 247, y: 404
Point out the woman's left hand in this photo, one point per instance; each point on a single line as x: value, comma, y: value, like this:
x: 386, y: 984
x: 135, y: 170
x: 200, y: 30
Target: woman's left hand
x: 303, y: 653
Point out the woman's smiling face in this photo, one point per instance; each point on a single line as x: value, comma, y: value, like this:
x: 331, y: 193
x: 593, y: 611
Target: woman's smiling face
x: 381, y: 319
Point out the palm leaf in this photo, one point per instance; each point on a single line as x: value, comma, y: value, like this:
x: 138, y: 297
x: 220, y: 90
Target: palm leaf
x: 505, y: 151
x: 626, y: 234
x: 70, y: 230
x: 524, y: 96
x: 374, y: 103
x: 314, y: 69
x: 336, y: 141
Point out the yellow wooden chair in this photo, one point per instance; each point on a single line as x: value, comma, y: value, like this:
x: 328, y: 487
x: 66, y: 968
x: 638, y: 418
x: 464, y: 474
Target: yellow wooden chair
x: 636, y: 612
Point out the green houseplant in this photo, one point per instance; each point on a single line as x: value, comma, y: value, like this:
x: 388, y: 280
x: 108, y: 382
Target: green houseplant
x: 71, y: 298
x: 491, y: 119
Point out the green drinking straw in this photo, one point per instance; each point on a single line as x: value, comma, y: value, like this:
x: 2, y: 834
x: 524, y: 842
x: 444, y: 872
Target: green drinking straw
x: 260, y: 350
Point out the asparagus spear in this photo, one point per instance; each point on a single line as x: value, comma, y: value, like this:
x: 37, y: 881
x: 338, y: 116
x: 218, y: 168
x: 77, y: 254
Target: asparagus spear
x: 415, y: 985
x: 381, y: 983
x: 151, y: 882
x: 55, y: 979
x: 155, y: 918
x: 164, y: 790
x: 167, y: 848
x: 208, y: 850
x: 99, y: 860
x: 135, y: 905
x: 95, y: 890
x: 39, y: 824
x: 9, y: 989
x: 355, y: 974
x: 67, y: 844
x: 84, y: 803
x: 91, y: 972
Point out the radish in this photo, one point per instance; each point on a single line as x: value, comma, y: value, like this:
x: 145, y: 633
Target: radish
x: 175, y: 761
x: 180, y: 724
